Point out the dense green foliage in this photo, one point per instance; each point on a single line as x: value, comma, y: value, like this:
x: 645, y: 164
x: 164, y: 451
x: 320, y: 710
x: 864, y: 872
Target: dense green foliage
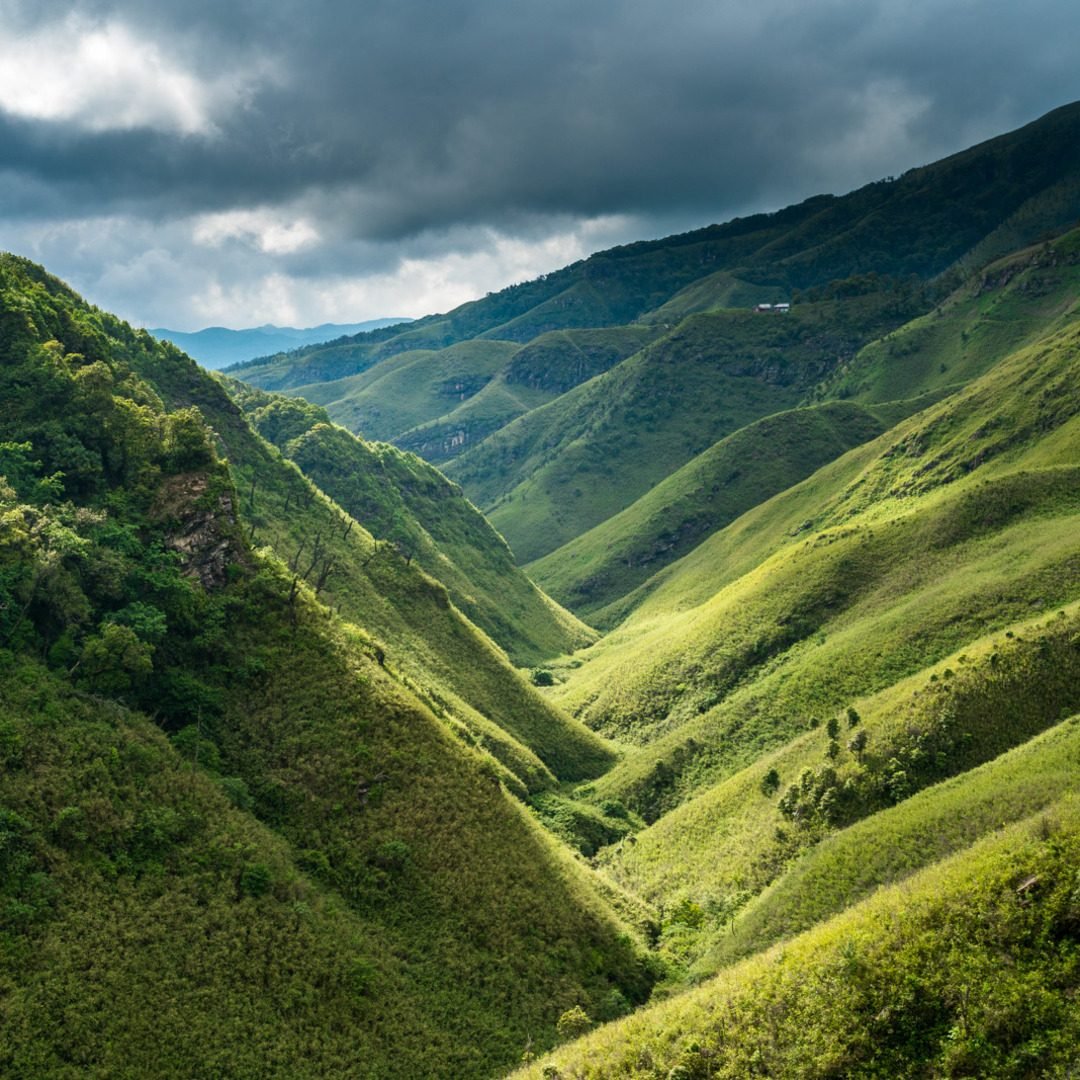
x: 235, y: 840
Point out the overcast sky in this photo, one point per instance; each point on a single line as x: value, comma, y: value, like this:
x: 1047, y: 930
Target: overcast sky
x: 198, y: 162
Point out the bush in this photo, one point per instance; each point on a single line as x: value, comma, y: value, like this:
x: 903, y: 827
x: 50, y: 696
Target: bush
x: 255, y: 879
x: 770, y: 782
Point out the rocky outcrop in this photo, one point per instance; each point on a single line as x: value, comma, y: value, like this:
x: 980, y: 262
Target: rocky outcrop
x: 201, y: 524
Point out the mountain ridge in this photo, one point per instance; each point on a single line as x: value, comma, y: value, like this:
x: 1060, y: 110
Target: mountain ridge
x: 514, y: 364
x: 220, y: 346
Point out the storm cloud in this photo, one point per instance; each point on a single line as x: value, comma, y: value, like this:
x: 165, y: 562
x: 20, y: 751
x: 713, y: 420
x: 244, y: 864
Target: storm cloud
x: 193, y: 162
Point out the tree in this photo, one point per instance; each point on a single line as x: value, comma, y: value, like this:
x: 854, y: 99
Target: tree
x: 770, y: 782
x: 114, y: 659
x: 188, y: 441
x: 857, y: 744
x: 573, y: 1022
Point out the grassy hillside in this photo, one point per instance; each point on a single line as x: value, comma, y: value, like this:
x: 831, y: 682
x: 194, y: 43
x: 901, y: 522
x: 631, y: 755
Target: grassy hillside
x: 842, y: 688
x: 714, y: 293
x: 891, y: 845
x: 562, y: 359
x: 345, y: 911
x: 495, y: 406
x: 235, y: 837
x: 404, y: 502
x: 1015, y: 301
x: 412, y: 388
x: 1002, y: 307
x: 810, y: 634
x: 408, y: 615
x: 740, y: 834
x: 942, y: 549
x: 571, y: 464
x: 799, y: 734
x: 967, y: 969
x: 599, y: 567
x: 534, y: 375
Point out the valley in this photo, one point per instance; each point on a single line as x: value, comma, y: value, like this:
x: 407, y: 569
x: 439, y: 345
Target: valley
x: 604, y: 678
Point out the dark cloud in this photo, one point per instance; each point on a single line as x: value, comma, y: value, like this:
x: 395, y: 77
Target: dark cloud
x: 412, y: 130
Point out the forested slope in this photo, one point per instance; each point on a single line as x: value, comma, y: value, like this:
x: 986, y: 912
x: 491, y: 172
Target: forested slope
x: 236, y: 840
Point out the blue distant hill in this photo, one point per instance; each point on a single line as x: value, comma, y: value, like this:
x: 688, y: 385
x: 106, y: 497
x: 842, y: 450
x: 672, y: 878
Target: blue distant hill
x: 218, y: 346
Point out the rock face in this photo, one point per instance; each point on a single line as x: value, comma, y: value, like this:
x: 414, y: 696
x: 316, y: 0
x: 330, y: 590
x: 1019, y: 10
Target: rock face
x: 202, y: 527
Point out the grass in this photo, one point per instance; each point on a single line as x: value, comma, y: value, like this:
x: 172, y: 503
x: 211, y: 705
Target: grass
x: 725, y: 700
x: 535, y: 374
x: 954, y: 971
x: 731, y: 839
x: 948, y: 442
x: 441, y: 439
x: 565, y: 467
x: 1003, y: 307
x: 889, y: 846
x: 597, y: 569
x: 410, y: 388
x: 409, y: 506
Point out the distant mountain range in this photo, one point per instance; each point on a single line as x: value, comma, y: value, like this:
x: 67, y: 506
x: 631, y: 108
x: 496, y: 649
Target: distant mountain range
x: 218, y: 346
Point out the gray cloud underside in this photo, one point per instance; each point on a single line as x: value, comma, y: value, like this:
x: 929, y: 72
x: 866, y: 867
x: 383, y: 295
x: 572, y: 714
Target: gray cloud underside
x: 407, y: 123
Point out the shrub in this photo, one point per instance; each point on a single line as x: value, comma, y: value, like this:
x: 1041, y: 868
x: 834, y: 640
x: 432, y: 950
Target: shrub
x: 770, y: 782
x: 255, y: 879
